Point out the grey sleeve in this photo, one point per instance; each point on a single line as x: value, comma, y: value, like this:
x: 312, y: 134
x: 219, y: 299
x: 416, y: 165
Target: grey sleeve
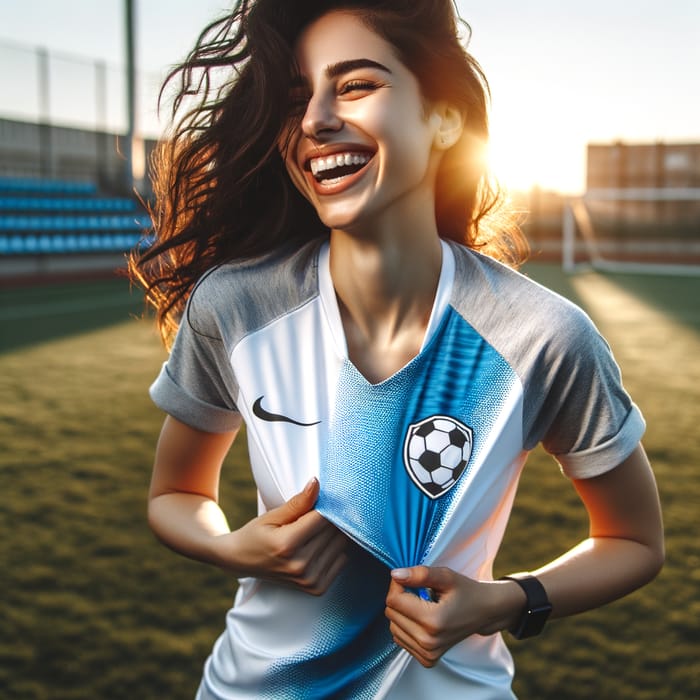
x: 582, y: 414
x: 197, y: 384
x: 574, y: 402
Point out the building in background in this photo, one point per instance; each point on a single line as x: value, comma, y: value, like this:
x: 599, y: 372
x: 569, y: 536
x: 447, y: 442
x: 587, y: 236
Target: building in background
x: 642, y: 202
x: 646, y: 190
x: 645, y: 165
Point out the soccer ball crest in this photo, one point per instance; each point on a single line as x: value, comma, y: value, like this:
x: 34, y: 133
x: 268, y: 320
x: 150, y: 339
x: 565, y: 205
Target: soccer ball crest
x: 436, y: 452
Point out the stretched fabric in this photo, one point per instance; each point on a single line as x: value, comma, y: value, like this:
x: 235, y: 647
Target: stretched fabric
x: 439, y: 411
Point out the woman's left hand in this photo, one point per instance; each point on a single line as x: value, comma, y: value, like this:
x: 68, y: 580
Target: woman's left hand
x: 462, y: 607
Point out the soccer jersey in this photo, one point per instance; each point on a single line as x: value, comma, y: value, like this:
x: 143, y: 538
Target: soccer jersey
x: 420, y: 468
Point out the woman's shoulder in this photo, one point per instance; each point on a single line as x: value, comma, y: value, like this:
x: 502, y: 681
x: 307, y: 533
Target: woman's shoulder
x: 252, y: 291
x: 281, y: 269
x: 515, y: 313
x: 278, y: 264
x: 497, y: 286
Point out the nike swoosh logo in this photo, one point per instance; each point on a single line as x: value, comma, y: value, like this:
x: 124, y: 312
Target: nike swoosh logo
x: 261, y: 413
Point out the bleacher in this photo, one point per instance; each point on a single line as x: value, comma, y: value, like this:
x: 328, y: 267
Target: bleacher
x: 59, y: 218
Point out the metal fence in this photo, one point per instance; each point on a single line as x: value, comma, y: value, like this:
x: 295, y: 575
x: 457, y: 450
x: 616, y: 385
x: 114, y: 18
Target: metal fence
x: 51, y: 87
x: 54, y: 105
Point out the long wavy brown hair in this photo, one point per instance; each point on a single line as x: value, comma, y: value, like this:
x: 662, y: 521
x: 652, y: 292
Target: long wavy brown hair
x: 221, y: 189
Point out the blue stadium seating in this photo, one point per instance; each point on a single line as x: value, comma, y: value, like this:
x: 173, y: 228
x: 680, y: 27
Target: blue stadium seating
x: 17, y: 223
x: 37, y: 185
x: 58, y: 204
x: 56, y: 217
x: 58, y: 244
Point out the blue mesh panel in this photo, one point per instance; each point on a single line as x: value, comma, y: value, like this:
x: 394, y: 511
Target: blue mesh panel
x: 365, y: 487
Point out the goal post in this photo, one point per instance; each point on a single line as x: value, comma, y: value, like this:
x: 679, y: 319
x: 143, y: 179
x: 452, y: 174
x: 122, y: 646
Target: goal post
x: 653, y: 230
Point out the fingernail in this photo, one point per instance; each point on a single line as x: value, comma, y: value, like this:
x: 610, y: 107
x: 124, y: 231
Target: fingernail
x: 400, y: 574
x: 311, y: 485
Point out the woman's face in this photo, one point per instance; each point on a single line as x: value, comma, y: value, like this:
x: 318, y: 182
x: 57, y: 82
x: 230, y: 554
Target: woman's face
x: 363, y: 147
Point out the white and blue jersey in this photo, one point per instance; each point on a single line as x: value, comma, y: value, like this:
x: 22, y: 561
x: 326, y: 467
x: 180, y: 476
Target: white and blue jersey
x: 420, y: 468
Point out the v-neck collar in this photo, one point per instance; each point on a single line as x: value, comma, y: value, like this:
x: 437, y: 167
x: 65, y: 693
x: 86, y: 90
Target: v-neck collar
x: 329, y: 299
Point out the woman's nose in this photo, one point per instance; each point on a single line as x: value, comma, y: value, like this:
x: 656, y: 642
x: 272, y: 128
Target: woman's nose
x: 321, y: 117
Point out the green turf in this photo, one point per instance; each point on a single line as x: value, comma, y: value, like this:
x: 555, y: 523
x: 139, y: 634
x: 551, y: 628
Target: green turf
x: 93, y: 607
x: 31, y: 315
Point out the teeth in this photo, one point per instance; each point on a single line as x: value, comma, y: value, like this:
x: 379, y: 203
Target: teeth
x: 319, y: 165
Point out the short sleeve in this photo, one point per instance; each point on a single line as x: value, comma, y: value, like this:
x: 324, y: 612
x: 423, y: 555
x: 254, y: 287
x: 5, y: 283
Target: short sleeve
x: 197, y: 384
x: 587, y: 421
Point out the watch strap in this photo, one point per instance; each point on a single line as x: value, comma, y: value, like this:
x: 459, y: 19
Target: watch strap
x: 537, y: 606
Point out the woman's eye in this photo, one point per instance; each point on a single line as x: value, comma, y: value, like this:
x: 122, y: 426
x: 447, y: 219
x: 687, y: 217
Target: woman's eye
x: 354, y: 86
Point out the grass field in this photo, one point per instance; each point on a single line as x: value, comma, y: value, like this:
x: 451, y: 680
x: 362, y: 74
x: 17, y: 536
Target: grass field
x: 92, y: 607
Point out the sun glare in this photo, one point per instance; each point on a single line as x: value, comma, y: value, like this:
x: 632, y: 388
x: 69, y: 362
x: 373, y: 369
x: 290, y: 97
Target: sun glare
x: 523, y: 156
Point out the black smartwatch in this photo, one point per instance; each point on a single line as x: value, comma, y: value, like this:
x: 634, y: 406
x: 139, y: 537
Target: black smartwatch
x: 537, y: 606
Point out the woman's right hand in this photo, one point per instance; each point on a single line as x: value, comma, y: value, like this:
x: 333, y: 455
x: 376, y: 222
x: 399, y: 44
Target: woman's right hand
x: 293, y: 545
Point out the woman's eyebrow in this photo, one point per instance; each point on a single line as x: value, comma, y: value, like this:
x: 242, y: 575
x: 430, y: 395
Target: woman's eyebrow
x: 334, y: 70
x: 337, y: 69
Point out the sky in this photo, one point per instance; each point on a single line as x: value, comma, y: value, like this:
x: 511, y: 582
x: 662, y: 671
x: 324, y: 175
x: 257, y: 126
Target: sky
x: 563, y: 73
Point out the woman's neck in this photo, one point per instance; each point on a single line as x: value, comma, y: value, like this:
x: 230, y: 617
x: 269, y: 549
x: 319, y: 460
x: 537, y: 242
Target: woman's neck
x: 385, y: 285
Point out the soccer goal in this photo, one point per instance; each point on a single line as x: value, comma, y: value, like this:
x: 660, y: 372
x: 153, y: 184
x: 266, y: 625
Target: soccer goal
x: 654, y: 230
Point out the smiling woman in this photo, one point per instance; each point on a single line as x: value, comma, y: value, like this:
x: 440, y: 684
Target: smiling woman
x: 321, y: 229
x: 196, y: 227
x: 351, y: 111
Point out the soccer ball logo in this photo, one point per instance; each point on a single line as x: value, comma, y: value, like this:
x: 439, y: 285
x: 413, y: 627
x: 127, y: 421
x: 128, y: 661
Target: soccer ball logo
x: 436, y: 452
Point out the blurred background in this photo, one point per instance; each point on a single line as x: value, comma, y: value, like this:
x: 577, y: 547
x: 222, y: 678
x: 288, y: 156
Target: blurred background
x: 596, y: 136
x: 587, y: 96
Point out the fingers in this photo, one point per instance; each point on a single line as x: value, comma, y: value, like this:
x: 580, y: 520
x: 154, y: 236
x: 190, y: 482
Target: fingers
x: 420, y: 639
x: 309, y: 550
x: 411, y: 612
x: 426, y: 657
x: 418, y: 625
x: 295, y: 545
x: 438, y: 578
x: 322, y: 560
x: 298, y: 505
x: 302, y: 523
x: 314, y: 566
x: 297, y: 524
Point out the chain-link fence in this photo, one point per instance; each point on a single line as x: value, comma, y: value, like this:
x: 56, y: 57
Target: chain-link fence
x: 66, y: 116
x: 39, y: 85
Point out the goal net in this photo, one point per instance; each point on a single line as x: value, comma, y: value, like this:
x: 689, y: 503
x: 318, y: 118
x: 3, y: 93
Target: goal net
x: 655, y: 230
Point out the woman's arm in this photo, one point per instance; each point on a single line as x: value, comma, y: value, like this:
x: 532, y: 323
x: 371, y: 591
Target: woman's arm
x: 292, y: 544
x: 625, y: 547
x: 624, y: 551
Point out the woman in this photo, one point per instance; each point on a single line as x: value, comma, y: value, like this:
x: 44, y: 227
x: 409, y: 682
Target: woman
x: 330, y: 203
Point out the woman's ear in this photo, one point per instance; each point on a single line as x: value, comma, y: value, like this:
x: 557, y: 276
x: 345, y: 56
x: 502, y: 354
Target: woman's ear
x: 450, y: 124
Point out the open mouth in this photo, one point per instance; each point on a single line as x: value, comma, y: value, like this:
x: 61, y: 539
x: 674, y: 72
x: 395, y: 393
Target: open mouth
x: 337, y: 166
